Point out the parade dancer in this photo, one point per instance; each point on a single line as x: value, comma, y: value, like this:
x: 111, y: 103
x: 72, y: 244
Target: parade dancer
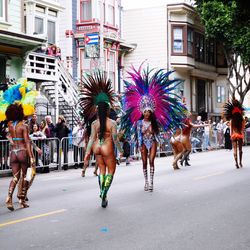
x: 234, y: 111
x: 181, y: 143
x: 150, y: 105
x: 16, y: 103
x: 97, y: 96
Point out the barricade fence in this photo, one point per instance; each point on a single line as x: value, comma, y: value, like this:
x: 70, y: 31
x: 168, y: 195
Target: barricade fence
x: 52, y: 153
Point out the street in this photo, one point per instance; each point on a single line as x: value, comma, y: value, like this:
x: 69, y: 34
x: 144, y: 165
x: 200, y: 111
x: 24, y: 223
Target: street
x: 202, y: 207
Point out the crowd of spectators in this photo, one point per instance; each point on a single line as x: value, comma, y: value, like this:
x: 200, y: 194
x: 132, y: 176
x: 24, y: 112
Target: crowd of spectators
x: 51, y: 50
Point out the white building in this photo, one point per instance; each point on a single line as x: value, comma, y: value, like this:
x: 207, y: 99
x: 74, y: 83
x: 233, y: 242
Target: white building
x: 171, y: 37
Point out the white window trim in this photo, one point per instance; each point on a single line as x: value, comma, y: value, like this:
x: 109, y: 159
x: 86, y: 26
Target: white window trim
x: 46, y: 17
x: 3, y: 18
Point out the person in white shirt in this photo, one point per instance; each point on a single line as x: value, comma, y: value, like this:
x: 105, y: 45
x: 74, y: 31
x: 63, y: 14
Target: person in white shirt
x: 78, y: 144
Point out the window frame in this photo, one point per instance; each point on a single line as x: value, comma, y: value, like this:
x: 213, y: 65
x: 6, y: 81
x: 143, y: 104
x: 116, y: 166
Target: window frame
x: 220, y: 94
x: 198, y: 54
x: 191, y: 42
x: 3, y: 17
x: 41, y: 18
x: 184, y: 39
x: 81, y: 10
x: 52, y: 21
x: 109, y: 21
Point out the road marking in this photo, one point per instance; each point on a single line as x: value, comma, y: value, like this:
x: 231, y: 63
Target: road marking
x: 31, y: 218
x: 207, y: 176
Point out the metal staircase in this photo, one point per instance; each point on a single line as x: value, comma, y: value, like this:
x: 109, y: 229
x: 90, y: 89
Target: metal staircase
x: 54, y: 81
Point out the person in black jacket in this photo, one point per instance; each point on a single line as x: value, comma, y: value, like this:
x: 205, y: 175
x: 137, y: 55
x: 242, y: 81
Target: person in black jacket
x: 61, y: 130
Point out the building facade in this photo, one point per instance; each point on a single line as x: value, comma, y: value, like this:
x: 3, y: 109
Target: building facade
x: 98, y: 38
x: 173, y: 38
x: 15, y: 43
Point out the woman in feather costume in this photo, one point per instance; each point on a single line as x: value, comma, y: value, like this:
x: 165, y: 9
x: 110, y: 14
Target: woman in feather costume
x: 97, y: 97
x: 150, y: 105
x: 18, y: 101
x: 234, y: 111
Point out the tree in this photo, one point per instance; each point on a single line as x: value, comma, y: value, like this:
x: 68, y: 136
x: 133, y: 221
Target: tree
x: 228, y: 22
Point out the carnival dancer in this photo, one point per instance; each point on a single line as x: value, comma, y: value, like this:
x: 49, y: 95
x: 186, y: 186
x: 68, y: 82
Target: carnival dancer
x: 97, y: 98
x: 18, y: 101
x: 234, y: 111
x: 181, y: 143
x: 150, y: 105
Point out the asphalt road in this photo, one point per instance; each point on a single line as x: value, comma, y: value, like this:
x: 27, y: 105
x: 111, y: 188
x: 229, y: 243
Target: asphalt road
x: 205, y: 206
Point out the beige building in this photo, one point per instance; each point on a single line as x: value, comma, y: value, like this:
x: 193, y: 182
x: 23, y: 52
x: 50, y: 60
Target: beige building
x: 172, y: 37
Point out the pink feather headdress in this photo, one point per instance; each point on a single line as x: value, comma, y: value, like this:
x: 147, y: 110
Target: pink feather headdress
x: 152, y: 91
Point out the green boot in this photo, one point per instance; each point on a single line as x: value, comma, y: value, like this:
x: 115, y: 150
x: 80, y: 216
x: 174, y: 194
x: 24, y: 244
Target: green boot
x: 101, y: 180
x: 107, y: 184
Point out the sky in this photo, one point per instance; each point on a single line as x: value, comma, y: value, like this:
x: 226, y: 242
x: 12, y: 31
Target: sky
x: 131, y: 4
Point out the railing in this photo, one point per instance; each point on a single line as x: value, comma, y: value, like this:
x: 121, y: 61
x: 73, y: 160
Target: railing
x: 62, y: 154
x: 49, y: 69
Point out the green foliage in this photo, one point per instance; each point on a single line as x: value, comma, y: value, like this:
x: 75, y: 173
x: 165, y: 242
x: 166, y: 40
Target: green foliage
x: 229, y: 23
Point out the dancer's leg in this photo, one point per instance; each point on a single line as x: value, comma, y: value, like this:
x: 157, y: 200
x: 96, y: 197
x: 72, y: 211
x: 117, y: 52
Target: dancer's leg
x: 152, y: 155
x: 240, y: 143
x: 16, y: 170
x: 110, y: 162
x: 234, y: 142
x: 144, y: 156
x: 23, y: 159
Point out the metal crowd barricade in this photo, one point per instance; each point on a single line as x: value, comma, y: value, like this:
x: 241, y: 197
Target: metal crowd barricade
x: 46, y: 154
x: 71, y: 153
x: 4, y: 155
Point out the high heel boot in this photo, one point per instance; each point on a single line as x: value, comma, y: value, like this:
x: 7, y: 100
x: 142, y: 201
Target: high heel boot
x: 22, y: 201
x: 151, y: 186
x: 107, y: 184
x: 9, y: 203
x: 145, y: 173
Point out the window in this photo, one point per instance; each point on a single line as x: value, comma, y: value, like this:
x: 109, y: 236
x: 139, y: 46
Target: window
x: 112, y: 67
x: 51, y: 32
x: 2, y: 10
x: 111, y: 15
x: 199, y: 47
x: 86, y: 10
x: 40, y: 9
x: 190, y: 42
x: 221, y: 98
x: 178, y: 40
x: 39, y: 25
x: 210, y: 52
x: 52, y: 13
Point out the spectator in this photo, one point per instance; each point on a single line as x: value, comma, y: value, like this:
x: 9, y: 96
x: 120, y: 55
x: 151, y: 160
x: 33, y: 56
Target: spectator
x: 220, y: 133
x: 78, y: 144
x: 61, y: 131
x: 37, y: 136
x: 227, y: 135
x: 32, y: 122
x: 50, y: 125
x: 199, y: 132
x: 45, y: 146
x: 126, y: 149
x: 4, y: 145
x: 51, y: 142
x: 58, y: 53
